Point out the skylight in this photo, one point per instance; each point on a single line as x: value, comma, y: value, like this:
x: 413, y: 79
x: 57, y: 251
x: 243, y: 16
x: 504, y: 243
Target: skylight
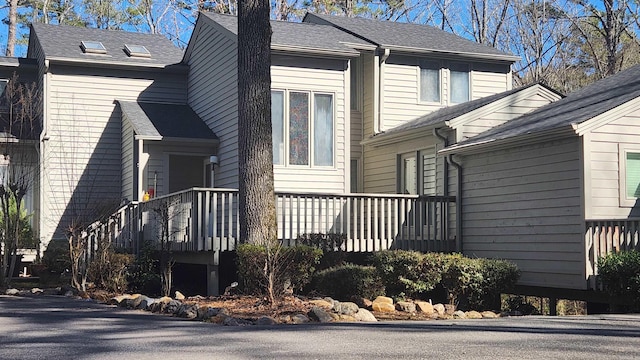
x: 136, y: 51
x: 93, y: 47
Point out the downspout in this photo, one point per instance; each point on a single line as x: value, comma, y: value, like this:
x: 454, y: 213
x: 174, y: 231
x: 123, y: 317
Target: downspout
x: 44, y: 136
x: 378, y: 128
x: 445, y: 143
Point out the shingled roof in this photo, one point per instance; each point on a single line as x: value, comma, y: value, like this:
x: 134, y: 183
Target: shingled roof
x: 61, y: 42
x: 409, y: 37
x: 303, y: 37
x: 564, y: 114
x: 157, y: 121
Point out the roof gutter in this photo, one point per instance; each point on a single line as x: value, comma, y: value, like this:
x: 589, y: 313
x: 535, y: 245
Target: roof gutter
x: 468, y: 55
x: 315, y: 51
x: 495, y: 144
x: 177, y: 67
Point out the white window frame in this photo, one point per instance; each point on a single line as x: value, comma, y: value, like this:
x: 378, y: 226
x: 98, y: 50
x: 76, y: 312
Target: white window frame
x: 401, y: 177
x: 439, y: 66
x: 311, y: 130
x: 450, y: 85
x: 623, y: 150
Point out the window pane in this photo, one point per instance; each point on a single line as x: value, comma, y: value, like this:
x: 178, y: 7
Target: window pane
x: 277, y: 126
x: 298, y: 128
x: 408, y: 175
x: 323, y: 130
x: 459, y: 84
x: 429, y: 82
x: 633, y: 175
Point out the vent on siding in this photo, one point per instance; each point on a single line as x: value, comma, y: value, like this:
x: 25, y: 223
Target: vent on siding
x: 93, y: 47
x: 136, y: 51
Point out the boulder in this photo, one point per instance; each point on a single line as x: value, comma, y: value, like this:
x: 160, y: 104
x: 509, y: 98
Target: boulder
x: 459, y: 314
x: 188, y: 311
x: 179, y: 296
x: 117, y: 300
x: 300, y: 319
x: 145, y: 303
x: 383, y: 299
x: 362, y: 302
x: 208, y: 312
x: 365, y: 315
x: 36, y: 290
x: 171, y: 307
x: 266, y: 320
x: 406, y: 306
x: 322, y: 303
x: 12, y: 292
x: 489, y: 315
x: 473, y: 315
x: 320, y: 314
x: 345, y: 308
x: 424, y: 307
x: 449, y: 309
x: 439, y: 309
x: 383, y: 307
x: 344, y: 318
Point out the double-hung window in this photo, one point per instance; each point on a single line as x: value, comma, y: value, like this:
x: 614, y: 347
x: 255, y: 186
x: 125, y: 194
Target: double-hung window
x: 459, y: 83
x: 430, y: 81
x: 303, y: 128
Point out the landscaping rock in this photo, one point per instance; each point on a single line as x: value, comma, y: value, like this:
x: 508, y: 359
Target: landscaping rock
x: 12, y: 292
x: 365, y: 315
x: 439, y: 309
x: 473, y: 315
x: 424, y: 307
x: 179, y: 296
x: 320, y: 314
x: 383, y: 299
x: 489, y: 315
x: 362, y: 302
x: 300, y: 319
x: 449, y: 309
x: 383, y: 307
x: 344, y: 318
x: 36, y: 290
x: 459, y: 314
x: 68, y: 290
x: 117, y: 300
x: 345, y: 308
x: 322, y: 303
x: 266, y: 320
x: 187, y: 311
x: 171, y: 307
x: 208, y: 312
x: 406, y: 306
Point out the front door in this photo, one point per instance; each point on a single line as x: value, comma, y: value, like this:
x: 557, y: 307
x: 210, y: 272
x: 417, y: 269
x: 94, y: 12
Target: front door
x: 185, y: 171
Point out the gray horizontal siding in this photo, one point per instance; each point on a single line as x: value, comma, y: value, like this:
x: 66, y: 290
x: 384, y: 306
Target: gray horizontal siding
x: 524, y: 204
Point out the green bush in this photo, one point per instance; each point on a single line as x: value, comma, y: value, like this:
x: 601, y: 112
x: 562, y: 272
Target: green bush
x: 348, y: 280
x: 498, y: 277
x: 405, y: 273
x: 331, y: 246
x: 462, y: 276
x: 144, y: 274
x: 620, y: 274
x: 292, y: 267
x: 56, y: 257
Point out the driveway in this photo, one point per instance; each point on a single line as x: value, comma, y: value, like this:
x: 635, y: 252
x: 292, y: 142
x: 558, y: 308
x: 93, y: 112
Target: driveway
x: 48, y: 327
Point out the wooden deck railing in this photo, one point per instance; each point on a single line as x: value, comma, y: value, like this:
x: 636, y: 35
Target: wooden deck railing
x: 606, y: 236
x: 202, y: 219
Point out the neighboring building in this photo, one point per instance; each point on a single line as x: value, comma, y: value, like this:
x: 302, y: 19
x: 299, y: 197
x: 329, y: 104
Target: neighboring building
x: 556, y: 188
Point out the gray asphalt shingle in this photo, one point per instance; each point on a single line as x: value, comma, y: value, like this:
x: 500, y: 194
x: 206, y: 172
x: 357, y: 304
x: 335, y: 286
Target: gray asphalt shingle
x: 576, y: 108
x: 300, y: 35
x: 63, y: 42
x: 165, y: 120
x: 403, y: 35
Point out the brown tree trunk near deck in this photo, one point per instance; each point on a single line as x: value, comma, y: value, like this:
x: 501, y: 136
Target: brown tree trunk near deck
x: 12, y: 25
x: 257, y: 213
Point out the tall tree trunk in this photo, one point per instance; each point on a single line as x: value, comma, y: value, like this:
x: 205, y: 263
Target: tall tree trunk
x: 257, y: 199
x: 13, y: 26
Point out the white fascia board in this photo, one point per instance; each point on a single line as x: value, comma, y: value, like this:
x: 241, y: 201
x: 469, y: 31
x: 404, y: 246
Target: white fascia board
x: 607, y: 117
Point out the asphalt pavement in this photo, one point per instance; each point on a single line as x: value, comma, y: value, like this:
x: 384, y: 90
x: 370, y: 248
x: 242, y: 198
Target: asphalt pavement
x: 51, y: 327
